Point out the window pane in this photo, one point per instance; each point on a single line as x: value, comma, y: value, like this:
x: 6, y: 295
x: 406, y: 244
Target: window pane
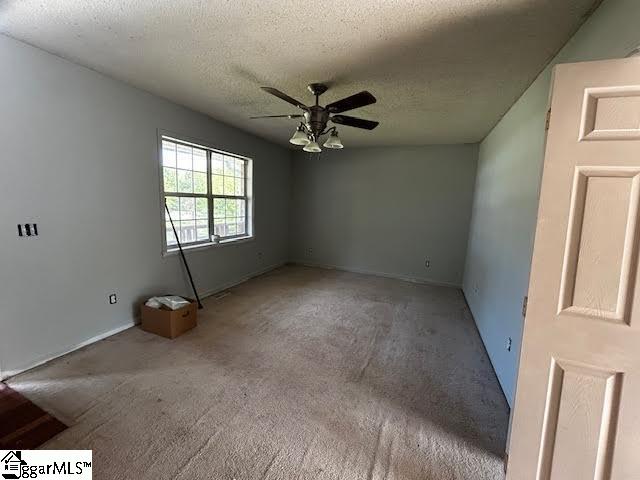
x: 171, y: 238
x: 218, y: 227
x: 219, y: 208
x: 202, y: 230
x: 229, y: 219
x: 184, y: 158
x: 199, y: 160
x: 217, y: 165
x: 199, y: 182
x: 202, y: 208
x: 188, y: 231
x: 229, y: 166
x: 239, y: 186
x: 217, y: 185
x: 187, y: 208
x: 239, y: 168
x: 170, y: 182
x: 173, y: 203
x: 232, y: 208
x: 168, y: 154
x: 229, y: 186
x: 185, y: 181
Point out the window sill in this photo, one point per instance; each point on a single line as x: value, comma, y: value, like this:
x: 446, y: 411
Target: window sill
x: 204, y: 246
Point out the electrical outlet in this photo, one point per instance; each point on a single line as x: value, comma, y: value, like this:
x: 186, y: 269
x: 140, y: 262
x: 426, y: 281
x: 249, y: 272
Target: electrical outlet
x: 509, y: 343
x: 476, y: 289
x: 427, y: 263
x: 27, y: 229
x: 113, y: 299
x: 309, y: 251
x: 259, y: 255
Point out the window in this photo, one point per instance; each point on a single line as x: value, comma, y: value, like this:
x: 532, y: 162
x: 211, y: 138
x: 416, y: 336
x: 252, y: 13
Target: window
x: 207, y: 193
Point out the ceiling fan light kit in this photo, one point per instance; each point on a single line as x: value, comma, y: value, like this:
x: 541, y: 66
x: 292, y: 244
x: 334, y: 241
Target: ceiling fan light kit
x: 316, y: 117
x: 333, y: 141
x: 299, y: 137
x: 312, y: 147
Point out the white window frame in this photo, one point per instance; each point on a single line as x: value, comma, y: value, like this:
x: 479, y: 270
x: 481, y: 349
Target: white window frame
x: 248, y: 196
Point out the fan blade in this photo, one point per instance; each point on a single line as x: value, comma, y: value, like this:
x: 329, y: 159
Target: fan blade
x: 284, y: 96
x: 358, y: 100
x: 354, y: 122
x: 277, y: 116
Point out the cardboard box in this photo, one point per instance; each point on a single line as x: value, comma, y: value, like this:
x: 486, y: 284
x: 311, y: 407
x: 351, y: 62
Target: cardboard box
x: 169, y: 323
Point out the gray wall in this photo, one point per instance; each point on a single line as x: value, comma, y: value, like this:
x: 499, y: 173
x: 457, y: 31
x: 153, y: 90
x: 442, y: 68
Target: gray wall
x: 385, y: 210
x: 506, y: 192
x: 79, y: 157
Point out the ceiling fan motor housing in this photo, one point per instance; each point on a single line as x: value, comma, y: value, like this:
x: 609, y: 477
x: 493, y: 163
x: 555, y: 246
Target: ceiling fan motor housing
x: 316, y: 120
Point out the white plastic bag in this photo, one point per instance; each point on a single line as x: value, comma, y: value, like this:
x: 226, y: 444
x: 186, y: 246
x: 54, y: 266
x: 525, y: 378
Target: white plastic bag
x: 172, y: 302
x: 153, y: 303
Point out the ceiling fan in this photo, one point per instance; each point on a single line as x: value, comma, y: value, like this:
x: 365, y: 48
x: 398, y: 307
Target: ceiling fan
x: 316, y: 117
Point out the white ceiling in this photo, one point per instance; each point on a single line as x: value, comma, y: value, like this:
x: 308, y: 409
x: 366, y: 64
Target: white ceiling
x: 444, y: 71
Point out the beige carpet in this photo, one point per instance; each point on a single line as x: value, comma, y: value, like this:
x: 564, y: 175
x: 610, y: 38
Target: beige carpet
x: 299, y: 374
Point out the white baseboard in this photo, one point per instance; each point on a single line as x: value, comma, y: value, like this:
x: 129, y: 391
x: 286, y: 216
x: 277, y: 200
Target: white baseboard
x: 228, y: 285
x: 97, y: 338
x: 72, y: 348
x: 422, y: 281
x: 486, y: 351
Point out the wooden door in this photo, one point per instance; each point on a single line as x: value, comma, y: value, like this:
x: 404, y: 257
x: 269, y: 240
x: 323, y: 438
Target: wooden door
x: 577, y: 409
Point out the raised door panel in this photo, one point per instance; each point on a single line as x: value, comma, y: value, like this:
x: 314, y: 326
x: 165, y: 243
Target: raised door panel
x: 580, y: 422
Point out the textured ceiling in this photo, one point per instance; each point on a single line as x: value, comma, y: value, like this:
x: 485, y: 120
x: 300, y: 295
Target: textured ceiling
x: 444, y: 71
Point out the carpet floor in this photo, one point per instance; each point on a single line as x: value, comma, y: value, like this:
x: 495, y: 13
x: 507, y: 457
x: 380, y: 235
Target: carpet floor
x: 301, y: 373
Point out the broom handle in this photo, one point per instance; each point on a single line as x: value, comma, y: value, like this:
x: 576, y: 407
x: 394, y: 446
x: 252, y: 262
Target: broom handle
x: 184, y: 260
